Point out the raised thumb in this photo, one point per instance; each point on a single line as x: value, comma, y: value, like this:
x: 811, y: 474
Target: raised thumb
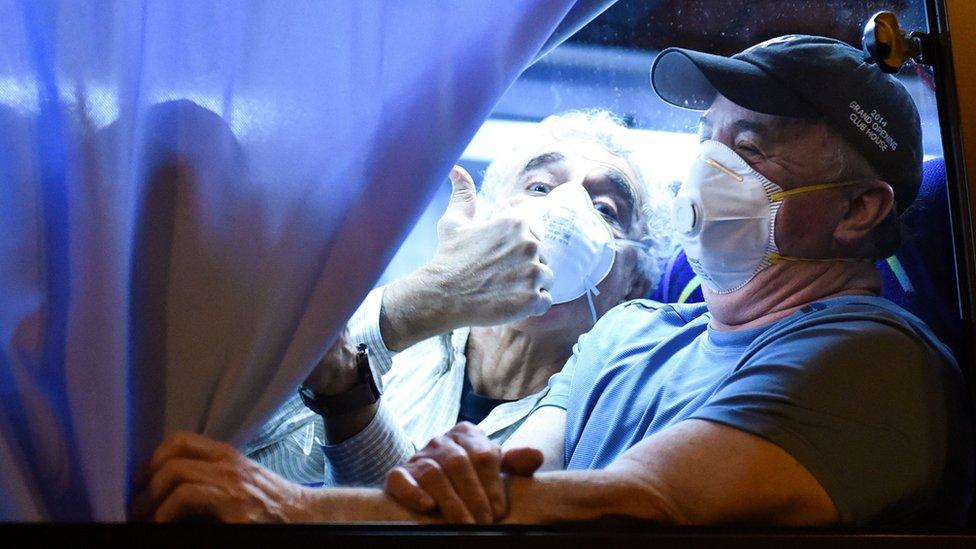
x: 464, y: 199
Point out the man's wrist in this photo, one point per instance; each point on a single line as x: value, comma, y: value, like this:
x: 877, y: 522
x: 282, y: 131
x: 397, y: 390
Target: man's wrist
x: 349, y: 505
x: 335, y: 384
x: 365, y: 389
x: 303, y: 508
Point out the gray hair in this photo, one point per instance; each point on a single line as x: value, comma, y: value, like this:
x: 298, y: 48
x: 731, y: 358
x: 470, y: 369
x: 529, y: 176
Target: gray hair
x: 606, y: 130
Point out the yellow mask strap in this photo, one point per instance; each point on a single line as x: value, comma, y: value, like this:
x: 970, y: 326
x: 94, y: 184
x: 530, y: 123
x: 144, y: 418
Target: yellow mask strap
x: 811, y: 188
x: 774, y: 258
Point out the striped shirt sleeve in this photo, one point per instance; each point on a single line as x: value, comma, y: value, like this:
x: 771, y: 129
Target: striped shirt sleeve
x: 366, y: 458
x: 364, y: 327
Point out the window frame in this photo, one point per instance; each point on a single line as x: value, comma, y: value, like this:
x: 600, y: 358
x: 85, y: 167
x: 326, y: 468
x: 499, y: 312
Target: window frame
x: 949, y: 21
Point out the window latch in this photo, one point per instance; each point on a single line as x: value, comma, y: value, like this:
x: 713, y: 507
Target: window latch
x: 887, y: 45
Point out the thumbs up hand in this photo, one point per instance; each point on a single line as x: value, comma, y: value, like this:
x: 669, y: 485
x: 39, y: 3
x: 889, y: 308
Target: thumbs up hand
x: 491, y: 268
x: 484, y: 273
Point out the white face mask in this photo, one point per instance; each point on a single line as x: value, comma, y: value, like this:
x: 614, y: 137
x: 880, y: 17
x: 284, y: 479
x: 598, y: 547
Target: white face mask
x: 577, y: 244
x: 725, y: 215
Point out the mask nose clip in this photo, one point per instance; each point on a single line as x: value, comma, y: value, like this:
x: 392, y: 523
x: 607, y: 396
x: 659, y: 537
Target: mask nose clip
x: 686, y: 216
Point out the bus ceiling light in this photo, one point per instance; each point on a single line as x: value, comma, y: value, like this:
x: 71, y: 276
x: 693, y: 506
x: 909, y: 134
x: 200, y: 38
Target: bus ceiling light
x: 889, y: 47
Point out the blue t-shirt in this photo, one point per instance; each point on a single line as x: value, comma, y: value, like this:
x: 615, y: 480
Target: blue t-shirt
x: 855, y: 388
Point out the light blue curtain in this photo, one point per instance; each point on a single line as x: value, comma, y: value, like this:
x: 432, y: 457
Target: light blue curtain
x: 194, y: 195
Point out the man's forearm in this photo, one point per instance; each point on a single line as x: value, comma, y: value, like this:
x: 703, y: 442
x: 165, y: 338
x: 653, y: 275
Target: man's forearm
x: 546, y: 498
x: 351, y: 505
x: 563, y: 496
x: 414, y: 309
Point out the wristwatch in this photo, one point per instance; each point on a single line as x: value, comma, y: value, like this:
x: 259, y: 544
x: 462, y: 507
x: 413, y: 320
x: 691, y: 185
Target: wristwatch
x: 366, y: 391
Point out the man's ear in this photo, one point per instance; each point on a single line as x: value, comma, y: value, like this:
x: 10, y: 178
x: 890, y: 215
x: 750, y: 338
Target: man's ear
x: 866, y: 209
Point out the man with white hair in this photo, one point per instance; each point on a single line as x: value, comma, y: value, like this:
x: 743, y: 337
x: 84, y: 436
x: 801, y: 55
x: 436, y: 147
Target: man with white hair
x: 471, y: 336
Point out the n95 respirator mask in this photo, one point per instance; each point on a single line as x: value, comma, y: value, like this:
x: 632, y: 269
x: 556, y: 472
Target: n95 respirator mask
x: 576, y: 242
x: 725, y: 217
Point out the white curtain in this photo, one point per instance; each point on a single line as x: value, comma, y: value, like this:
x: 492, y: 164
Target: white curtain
x: 194, y: 196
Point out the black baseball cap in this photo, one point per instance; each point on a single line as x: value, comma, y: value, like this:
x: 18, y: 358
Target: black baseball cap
x: 808, y: 77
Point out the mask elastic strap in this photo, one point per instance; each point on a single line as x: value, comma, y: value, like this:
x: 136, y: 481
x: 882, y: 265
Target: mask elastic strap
x: 811, y: 188
x: 618, y: 242
x: 590, y: 292
x: 773, y: 258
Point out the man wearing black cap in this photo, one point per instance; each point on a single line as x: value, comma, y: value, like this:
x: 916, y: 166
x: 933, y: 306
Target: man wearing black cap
x: 798, y: 396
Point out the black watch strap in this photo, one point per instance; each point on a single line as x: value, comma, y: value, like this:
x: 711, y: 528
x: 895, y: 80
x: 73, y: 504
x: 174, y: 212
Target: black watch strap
x: 360, y: 395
